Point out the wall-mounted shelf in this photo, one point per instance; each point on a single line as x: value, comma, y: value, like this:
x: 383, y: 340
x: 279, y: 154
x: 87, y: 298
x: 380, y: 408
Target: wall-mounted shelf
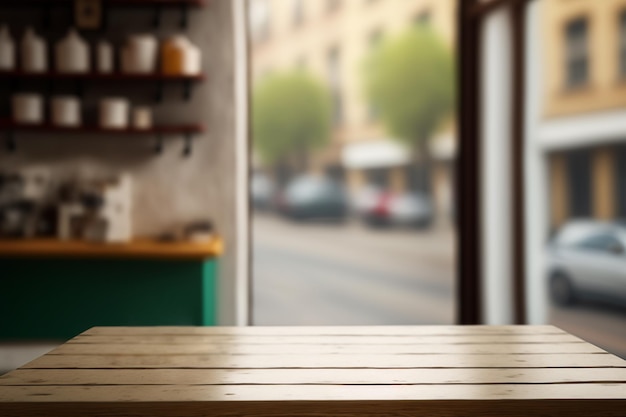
x: 155, y: 5
x: 186, y: 130
x: 117, y: 3
x: 138, y: 249
x: 183, y: 129
x: 81, y: 78
x: 94, y: 76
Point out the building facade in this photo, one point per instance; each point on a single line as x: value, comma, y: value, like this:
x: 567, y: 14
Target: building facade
x: 584, y: 128
x: 330, y: 39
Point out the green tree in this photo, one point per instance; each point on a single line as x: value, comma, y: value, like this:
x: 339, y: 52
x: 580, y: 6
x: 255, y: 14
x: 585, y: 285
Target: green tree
x: 291, y: 116
x: 410, y: 81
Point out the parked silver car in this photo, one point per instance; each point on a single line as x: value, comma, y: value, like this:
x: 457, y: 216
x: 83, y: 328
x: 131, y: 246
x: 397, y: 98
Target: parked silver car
x: 587, y: 260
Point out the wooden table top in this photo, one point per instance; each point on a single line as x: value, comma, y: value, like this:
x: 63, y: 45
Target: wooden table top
x: 319, y: 371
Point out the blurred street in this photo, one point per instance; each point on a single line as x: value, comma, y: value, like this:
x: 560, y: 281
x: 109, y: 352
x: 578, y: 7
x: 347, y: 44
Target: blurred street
x: 325, y: 274
x: 347, y: 274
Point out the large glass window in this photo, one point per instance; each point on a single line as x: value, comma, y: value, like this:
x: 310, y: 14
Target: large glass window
x: 342, y: 232
x: 577, y: 187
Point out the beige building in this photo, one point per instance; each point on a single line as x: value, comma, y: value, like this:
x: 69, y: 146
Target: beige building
x: 585, y: 107
x: 330, y: 39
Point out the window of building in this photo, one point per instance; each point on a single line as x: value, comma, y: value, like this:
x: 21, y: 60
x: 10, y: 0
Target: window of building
x: 620, y: 183
x: 579, y: 183
x: 297, y: 10
x: 422, y: 18
x: 259, y: 17
x: 337, y: 107
x: 333, y: 65
x: 332, y: 5
x: 418, y: 178
x: 301, y: 63
x: 577, y: 53
x: 622, y: 44
x: 375, y: 37
x: 378, y: 177
x: 334, y: 81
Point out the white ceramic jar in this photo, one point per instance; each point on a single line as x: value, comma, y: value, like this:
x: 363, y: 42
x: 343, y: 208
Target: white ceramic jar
x: 72, y: 54
x: 139, y: 55
x: 193, y: 60
x: 65, y: 111
x: 33, y: 50
x: 7, y: 50
x: 142, y: 118
x: 190, y: 56
x: 27, y: 108
x: 105, y: 57
x: 114, y: 113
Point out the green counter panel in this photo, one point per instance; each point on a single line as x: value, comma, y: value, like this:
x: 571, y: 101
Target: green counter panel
x: 60, y: 298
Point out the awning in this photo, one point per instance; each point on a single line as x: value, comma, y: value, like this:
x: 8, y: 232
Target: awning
x: 380, y: 153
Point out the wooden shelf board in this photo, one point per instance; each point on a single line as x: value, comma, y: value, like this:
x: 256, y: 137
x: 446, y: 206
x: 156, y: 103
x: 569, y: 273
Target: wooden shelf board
x: 117, y: 3
x: 6, y: 124
x: 138, y: 249
x: 94, y: 76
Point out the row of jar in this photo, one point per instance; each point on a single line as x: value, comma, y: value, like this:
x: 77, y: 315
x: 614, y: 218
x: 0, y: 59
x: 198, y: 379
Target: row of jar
x: 140, y: 54
x: 66, y: 112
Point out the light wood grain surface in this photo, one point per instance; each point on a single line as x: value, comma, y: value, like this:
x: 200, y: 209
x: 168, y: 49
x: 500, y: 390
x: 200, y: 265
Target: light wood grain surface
x: 320, y: 371
x: 137, y: 249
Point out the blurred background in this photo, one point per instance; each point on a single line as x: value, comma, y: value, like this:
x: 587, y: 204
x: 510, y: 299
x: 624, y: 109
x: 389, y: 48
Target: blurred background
x: 353, y: 170
x: 126, y: 160
x: 353, y: 167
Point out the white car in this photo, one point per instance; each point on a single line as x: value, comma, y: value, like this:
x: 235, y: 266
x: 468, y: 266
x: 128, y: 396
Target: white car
x: 587, y: 260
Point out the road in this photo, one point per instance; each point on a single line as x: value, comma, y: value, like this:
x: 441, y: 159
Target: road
x: 346, y: 274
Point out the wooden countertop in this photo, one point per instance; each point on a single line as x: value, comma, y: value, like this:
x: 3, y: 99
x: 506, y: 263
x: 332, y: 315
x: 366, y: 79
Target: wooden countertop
x: 140, y: 248
x: 320, y: 371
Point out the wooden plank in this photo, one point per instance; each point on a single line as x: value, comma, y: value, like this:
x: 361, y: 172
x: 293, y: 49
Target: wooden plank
x: 280, y: 349
x: 184, y: 393
x: 361, y: 331
x: 326, y: 361
x: 310, y: 376
x: 140, y: 248
x: 438, y: 371
x: 327, y: 340
x: 370, y: 408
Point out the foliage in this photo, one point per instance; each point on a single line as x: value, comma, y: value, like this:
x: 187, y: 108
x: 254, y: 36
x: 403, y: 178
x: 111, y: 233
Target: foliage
x: 291, y: 114
x: 410, y: 81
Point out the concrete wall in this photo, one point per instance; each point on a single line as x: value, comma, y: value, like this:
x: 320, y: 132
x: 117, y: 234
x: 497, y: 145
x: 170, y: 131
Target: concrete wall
x: 168, y: 189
